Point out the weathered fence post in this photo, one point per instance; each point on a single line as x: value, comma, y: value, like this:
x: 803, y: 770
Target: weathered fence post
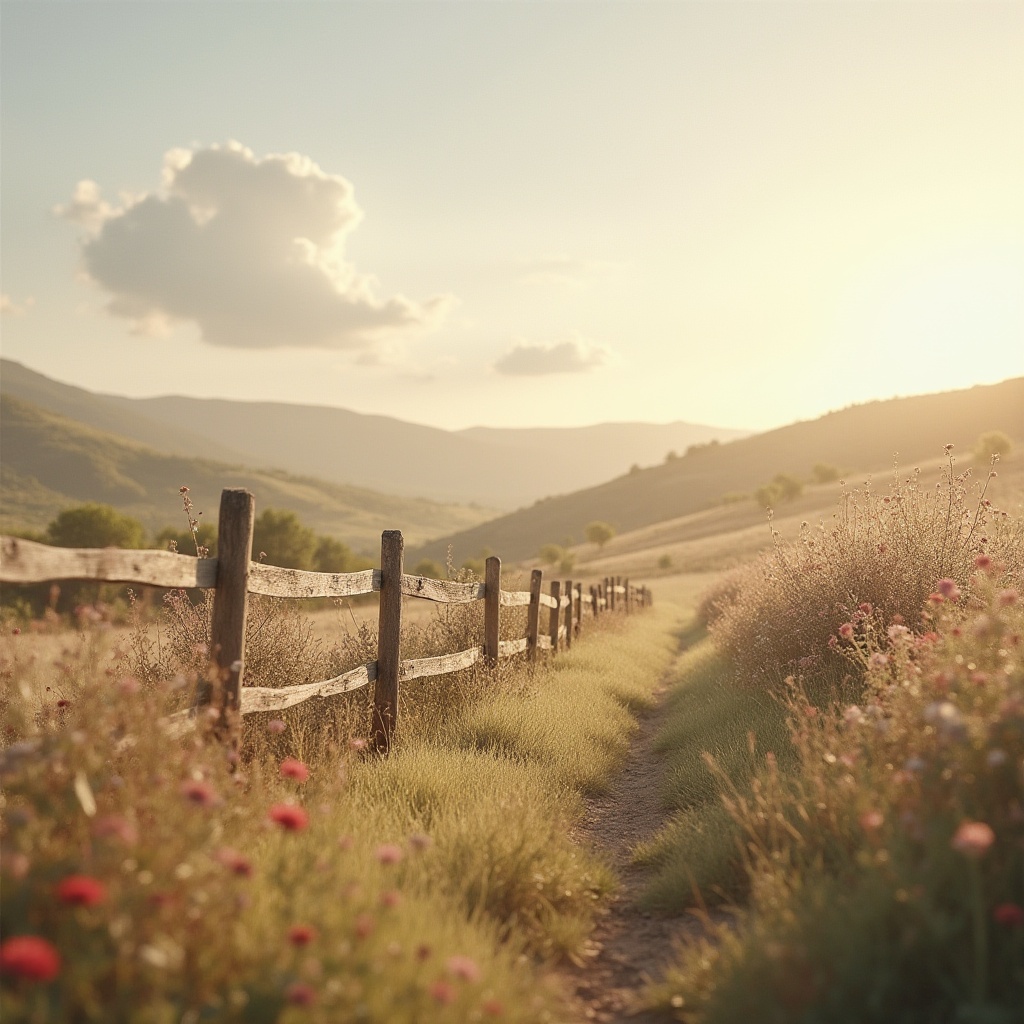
x: 492, y: 609
x: 389, y: 640
x: 555, y: 617
x: 578, y: 598
x: 230, y: 603
x: 568, y: 614
x: 627, y: 597
x: 593, y: 601
x: 533, y: 614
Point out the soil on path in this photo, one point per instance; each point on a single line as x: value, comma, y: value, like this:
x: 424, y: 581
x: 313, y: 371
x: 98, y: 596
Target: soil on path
x: 629, y: 946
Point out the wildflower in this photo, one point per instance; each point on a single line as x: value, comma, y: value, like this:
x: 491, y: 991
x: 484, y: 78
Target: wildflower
x: 1009, y: 915
x: 463, y: 967
x: 423, y: 952
x: 948, y: 589
x: 29, y: 957
x: 81, y: 891
x: 982, y: 562
x: 853, y: 715
x: 129, y: 686
x: 300, y: 994
x: 292, y: 768
x: 846, y: 630
x: 896, y: 631
x: 200, y: 793
x: 235, y: 862
x: 871, y: 821
x: 63, y: 703
x: 276, y: 726
x: 365, y: 925
x: 973, y: 838
x: 301, y: 935
x: 492, y: 1008
x: 442, y: 992
x: 864, y: 608
x: 388, y: 853
x: 345, y: 842
x: 390, y: 899
x: 1007, y: 598
x: 419, y: 841
x: 936, y: 598
x: 113, y: 826
x: 16, y: 631
x: 878, y: 660
x: 289, y: 817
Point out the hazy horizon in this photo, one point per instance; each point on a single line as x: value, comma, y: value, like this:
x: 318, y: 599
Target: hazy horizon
x: 504, y: 215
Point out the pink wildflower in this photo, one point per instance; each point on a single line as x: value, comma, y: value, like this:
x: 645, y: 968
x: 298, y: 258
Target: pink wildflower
x: 388, y: 853
x: 300, y: 994
x: 871, y: 821
x: 463, y: 967
x: 846, y: 630
x: 276, y: 726
x: 365, y: 925
x: 492, y: 1008
x: 198, y: 792
x: 442, y: 992
x: 391, y: 898
x: 973, y: 838
x: 948, y: 589
x: 1007, y: 598
x: 292, y: 768
x: 235, y: 862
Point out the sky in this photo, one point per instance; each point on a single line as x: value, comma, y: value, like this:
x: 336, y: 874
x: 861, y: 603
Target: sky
x: 515, y: 213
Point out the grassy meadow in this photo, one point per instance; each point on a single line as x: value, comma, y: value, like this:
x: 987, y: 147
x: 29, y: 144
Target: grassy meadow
x: 150, y: 879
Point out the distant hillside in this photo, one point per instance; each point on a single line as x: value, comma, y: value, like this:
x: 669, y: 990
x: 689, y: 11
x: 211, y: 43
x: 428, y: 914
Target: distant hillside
x: 48, y: 462
x: 496, y: 468
x: 858, y: 440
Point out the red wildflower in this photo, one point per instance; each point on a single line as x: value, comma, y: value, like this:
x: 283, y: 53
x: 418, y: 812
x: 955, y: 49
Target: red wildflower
x: 28, y: 956
x: 1009, y: 915
x: 493, y: 1008
x: 442, y: 992
x: 289, y: 817
x: 235, y: 862
x: 81, y: 891
x: 292, y: 768
x: 300, y: 995
x: 390, y: 899
x: 301, y: 935
x: 846, y: 630
x: 364, y: 926
x: 200, y: 793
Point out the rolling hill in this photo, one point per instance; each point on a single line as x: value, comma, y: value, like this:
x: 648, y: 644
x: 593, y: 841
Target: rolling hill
x: 857, y: 440
x: 50, y: 462
x: 378, y: 452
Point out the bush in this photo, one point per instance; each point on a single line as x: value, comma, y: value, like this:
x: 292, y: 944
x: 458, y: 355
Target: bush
x: 991, y: 446
x: 823, y: 473
x: 95, y: 526
x: 783, y: 487
x: 599, y: 533
x: 280, y: 539
x: 882, y: 551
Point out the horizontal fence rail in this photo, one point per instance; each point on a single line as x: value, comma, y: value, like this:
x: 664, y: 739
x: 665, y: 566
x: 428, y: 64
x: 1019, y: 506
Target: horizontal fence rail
x: 233, y: 576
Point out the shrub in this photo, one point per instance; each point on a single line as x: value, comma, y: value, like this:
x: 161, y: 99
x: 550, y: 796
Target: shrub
x: 550, y: 554
x: 992, y: 445
x: 823, y: 473
x: 599, y: 533
x: 783, y: 487
x: 280, y: 539
x: 665, y: 562
x: 883, y: 551
x: 95, y: 526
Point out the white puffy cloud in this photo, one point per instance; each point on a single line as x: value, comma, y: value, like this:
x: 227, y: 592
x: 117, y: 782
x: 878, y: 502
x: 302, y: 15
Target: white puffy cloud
x: 8, y: 307
x: 250, y: 249
x: 576, y: 355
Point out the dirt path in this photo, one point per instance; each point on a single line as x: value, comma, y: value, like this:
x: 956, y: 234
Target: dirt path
x: 629, y: 946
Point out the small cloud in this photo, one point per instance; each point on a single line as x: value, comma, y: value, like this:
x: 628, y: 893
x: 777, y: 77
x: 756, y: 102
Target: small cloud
x: 562, y: 270
x: 577, y: 355
x: 251, y: 249
x: 8, y: 307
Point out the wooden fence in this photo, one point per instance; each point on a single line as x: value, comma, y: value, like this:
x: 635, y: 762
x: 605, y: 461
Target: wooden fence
x: 233, y: 576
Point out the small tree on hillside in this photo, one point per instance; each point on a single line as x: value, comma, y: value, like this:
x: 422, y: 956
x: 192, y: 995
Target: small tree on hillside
x: 993, y: 443
x: 283, y: 539
x: 331, y: 555
x: 599, y: 532
x: 95, y: 526
x: 824, y: 473
x: 551, y: 554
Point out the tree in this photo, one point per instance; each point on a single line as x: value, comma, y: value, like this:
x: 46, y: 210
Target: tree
x: 331, y: 555
x: 994, y: 443
x: 783, y: 487
x: 599, y: 532
x: 95, y: 526
x: 551, y: 554
x: 824, y: 473
x: 566, y: 562
x: 283, y: 540
x: 428, y: 567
